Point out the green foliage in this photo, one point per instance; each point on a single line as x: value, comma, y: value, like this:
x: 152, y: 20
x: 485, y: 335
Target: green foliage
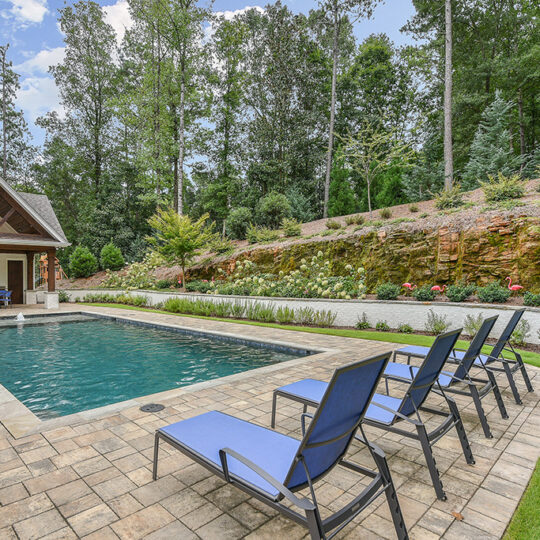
x: 424, y: 293
x: 362, y: 323
x: 388, y: 291
x: 272, y: 209
x: 472, y: 324
x: 436, y: 324
x: 127, y: 299
x: 63, y: 297
x: 341, y: 200
x: 449, y: 198
x: 459, y: 292
x: 413, y: 208
x: 493, y: 293
x: 490, y: 152
x: 424, y: 215
x: 257, y: 235
x: 354, y: 220
x: 531, y: 299
x: 382, y: 326
x: 503, y: 188
x: 405, y: 328
x: 332, y: 224
x: 199, y: 285
x: 138, y: 275
x: 385, y: 213
x: 178, y: 238
x: 82, y: 263
x: 111, y: 257
x: 291, y: 227
x: 165, y: 283
x: 221, y: 246
x: 238, y: 221
x: 285, y: 315
x: 521, y: 333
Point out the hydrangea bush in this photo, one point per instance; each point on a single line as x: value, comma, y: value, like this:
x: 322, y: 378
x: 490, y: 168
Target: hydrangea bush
x: 313, y: 279
x: 139, y: 275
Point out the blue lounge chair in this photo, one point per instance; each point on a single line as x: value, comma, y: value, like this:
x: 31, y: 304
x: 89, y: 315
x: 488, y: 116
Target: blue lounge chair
x: 385, y: 410
x: 5, y: 297
x: 459, y: 382
x: 271, y: 467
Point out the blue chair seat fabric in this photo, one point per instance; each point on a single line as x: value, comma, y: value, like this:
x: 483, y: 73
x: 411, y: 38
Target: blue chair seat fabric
x: 403, y: 371
x: 208, y: 433
x: 417, y: 350
x: 313, y: 390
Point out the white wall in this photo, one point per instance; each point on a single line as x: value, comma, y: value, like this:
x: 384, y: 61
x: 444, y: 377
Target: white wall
x: 4, y: 258
x: 348, y: 311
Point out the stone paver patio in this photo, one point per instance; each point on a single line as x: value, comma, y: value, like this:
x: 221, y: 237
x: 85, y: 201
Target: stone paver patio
x: 90, y: 476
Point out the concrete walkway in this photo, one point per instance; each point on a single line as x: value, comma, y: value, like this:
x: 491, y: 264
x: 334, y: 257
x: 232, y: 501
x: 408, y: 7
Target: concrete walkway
x: 90, y: 477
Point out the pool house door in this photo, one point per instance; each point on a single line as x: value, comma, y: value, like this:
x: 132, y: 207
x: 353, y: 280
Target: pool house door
x: 16, y: 281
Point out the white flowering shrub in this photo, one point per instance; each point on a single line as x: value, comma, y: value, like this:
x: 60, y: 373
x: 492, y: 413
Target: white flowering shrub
x: 139, y: 275
x: 313, y: 279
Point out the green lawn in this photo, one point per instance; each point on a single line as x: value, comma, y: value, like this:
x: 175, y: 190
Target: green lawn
x: 390, y: 337
x: 525, y: 524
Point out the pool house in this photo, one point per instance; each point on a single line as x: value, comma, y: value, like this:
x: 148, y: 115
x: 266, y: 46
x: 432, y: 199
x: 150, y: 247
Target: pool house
x: 28, y: 227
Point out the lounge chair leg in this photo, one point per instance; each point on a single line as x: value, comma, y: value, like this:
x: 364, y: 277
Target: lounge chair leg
x: 430, y: 460
x: 156, y: 452
x: 314, y: 525
x: 524, y: 373
x: 497, y: 394
x: 467, y: 452
x: 391, y: 496
x: 481, y: 412
x: 512, y: 383
x: 273, y: 421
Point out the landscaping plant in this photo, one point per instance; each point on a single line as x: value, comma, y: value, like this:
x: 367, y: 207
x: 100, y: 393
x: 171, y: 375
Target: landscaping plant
x: 82, y: 263
x: 449, y: 198
x: 472, y: 324
x: 362, y: 323
x: 237, y: 222
x: 388, y: 291
x: 493, y: 293
x: 459, y: 292
x: 436, y: 324
x: 521, y: 333
x: 531, y: 299
x: 382, y: 326
x: 503, y: 188
x: 332, y: 224
x: 111, y: 257
x: 291, y: 227
x: 405, y: 328
x: 424, y: 293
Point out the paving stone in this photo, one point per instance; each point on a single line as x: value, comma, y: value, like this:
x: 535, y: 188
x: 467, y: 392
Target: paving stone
x: 142, y: 523
x: 125, y: 505
x: 40, y: 525
x: 80, y: 505
x: 155, y: 491
x: 173, y: 530
x: 222, y: 528
x: 66, y: 533
x: 92, y: 519
x: 68, y: 492
x: 24, y: 509
x: 50, y: 480
x: 13, y: 493
x: 492, y: 505
x: 110, y: 489
x: 103, y: 534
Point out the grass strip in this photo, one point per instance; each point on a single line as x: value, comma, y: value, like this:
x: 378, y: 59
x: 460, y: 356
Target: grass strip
x: 525, y: 524
x: 528, y: 357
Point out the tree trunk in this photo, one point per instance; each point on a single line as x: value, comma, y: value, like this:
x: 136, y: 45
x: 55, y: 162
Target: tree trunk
x: 3, y: 51
x: 332, y: 115
x: 448, y: 157
x: 180, y: 189
x: 368, y: 182
x: 521, y: 123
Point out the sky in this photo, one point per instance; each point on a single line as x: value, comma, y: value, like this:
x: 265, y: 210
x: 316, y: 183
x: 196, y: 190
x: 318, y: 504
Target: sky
x: 31, y: 28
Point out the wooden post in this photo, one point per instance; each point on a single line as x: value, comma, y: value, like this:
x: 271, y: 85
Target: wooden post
x: 30, y: 270
x: 51, y: 270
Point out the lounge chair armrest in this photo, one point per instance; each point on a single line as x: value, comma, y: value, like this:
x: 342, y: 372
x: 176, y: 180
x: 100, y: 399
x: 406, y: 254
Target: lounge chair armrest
x: 398, y: 414
x: 304, y: 504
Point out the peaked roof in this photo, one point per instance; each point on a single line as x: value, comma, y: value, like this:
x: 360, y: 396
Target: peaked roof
x: 40, y: 209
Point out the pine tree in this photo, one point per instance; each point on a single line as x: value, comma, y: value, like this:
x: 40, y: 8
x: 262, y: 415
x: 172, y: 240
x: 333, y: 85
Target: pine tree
x: 342, y: 200
x: 16, y: 149
x: 491, y: 151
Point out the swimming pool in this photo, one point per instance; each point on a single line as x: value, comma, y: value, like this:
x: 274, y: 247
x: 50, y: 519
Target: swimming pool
x: 71, y: 365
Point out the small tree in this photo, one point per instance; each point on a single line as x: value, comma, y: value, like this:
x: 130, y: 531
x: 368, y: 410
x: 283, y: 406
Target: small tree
x: 272, y: 209
x: 178, y: 238
x: 342, y: 200
x: 491, y: 151
x: 373, y: 149
x: 82, y: 262
x: 111, y: 257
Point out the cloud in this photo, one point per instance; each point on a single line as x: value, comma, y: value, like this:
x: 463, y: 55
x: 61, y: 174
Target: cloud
x: 37, y: 96
x: 119, y: 17
x: 28, y: 11
x: 41, y: 61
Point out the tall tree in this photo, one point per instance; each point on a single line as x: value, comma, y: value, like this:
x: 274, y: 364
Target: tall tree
x: 448, y: 153
x: 15, y: 145
x: 86, y: 82
x: 337, y: 11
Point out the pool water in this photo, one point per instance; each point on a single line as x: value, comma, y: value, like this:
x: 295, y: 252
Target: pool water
x: 65, y: 367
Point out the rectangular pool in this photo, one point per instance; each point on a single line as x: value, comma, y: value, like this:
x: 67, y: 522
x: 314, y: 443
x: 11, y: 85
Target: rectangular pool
x: 79, y: 363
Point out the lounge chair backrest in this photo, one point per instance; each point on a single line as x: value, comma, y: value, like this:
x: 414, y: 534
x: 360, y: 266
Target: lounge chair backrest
x: 475, y: 347
x: 428, y: 372
x: 507, y: 332
x: 337, y: 418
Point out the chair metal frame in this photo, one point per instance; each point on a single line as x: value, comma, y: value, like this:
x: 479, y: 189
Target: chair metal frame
x: 318, y: 528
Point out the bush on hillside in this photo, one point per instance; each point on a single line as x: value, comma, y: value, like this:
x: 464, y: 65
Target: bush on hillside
x: 493, y: 293
x: 291, y: 227
x: 388, y: 291
x: 111, y: 257
x: 82, y: 262
x: 238, y: 221
x: 424, y: 294
x: 257, y: 235
x: 449, y: 198
x: 386, y: 213
x: 272, y: 209
x: 503, y: 188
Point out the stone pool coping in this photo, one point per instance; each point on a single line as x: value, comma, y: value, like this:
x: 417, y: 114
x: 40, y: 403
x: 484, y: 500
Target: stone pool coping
x: 20, y: 421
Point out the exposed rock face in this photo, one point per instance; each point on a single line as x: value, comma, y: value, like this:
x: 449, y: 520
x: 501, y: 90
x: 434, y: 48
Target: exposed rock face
x: 488, y: 248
